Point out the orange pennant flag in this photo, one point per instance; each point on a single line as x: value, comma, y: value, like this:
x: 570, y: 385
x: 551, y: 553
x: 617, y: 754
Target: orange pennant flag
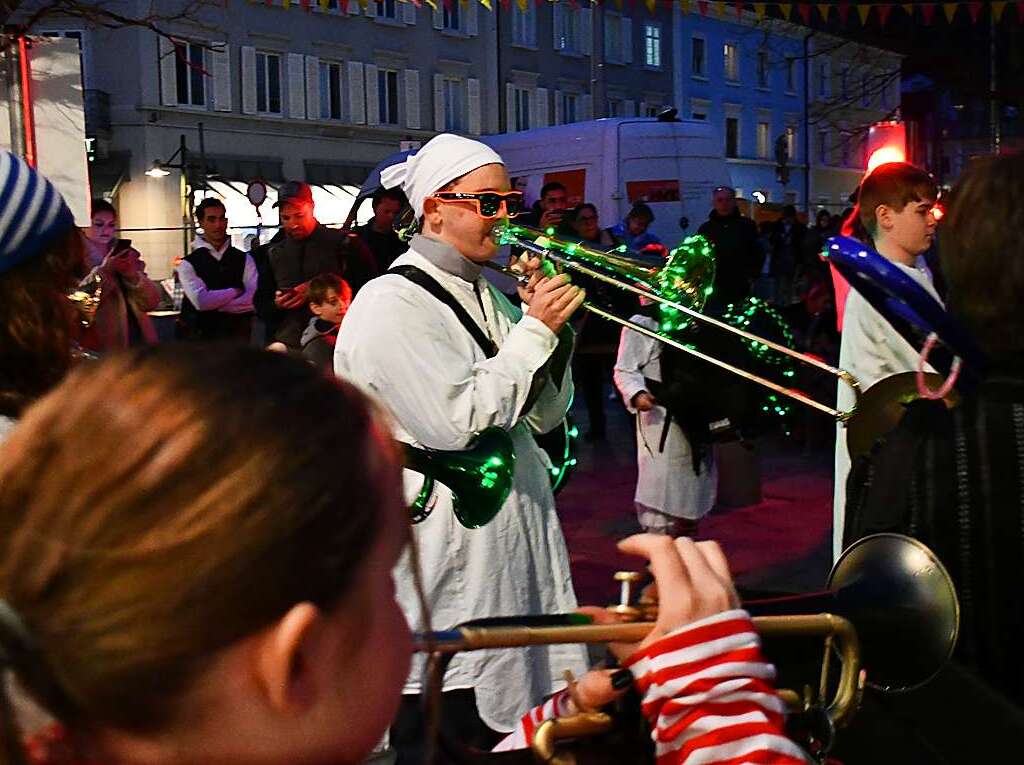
x: 486, y: 4
x: 909, y: 8
x: 786, y: 9
x: 286, y: 4
x: 720, y: 7
x: 997, y: 10
x: 759, y: 10
x: 325, y: 4
x: 684, y: 6
x: 651, y: 5
x: 863, y: 11
x: 950, y: 10
x: 823, y: 9
x: 524, y: 5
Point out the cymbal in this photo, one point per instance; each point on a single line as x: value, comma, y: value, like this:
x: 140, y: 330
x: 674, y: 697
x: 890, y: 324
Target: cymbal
x: 881, y: 408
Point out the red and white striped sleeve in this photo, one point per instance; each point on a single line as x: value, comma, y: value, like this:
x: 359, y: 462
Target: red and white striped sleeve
x: 522, y: 736
x: 709, y: 696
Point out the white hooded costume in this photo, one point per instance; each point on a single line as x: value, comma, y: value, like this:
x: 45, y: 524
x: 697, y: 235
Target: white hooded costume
x: 409, y: 350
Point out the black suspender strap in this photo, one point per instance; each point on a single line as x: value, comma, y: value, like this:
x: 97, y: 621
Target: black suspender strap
x: 430, y: 284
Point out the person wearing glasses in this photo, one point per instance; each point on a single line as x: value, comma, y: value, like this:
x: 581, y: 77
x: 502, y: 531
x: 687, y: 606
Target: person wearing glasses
x: 449, y: 356
x: 738, y: 252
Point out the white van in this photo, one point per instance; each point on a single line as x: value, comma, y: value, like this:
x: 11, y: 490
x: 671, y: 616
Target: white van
x: 612, y: 163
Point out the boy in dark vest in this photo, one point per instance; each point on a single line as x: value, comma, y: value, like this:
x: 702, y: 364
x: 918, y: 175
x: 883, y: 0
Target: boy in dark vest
x: 218, y: 280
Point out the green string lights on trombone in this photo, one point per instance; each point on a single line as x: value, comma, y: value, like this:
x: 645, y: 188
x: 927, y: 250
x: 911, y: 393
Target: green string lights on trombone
x: 687, y: 277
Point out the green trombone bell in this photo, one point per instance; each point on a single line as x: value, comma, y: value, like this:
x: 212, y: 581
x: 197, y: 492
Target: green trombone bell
x: 480, y: 477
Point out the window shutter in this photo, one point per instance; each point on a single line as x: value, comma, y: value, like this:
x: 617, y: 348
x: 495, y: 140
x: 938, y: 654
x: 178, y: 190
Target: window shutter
x: 470, y: 13
x: 510, y: 107
x: 629, y: 107
x: 627, y: 40
x: 356, y: 93
x: 439, y: 103
x: 586, y: 28
x: 588, y: 109
x: 370, y: 9
x: 557, y: 10
x: 221, y: 69
x: 409, y: 12
x: 540, y: 98
x: 559, y: 117
x: 296, y: 85
x: 438, y: 17
x: 412, y: 98
x: 475, y: 111
x: 372, y: 95
x: 168, y: 72
x: 313, y: 106
x: 248, y: 79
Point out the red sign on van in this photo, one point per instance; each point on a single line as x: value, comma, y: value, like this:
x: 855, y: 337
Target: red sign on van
x: 652, y: 191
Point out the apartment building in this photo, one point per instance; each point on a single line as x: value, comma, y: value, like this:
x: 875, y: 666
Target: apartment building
x: 763, y: 82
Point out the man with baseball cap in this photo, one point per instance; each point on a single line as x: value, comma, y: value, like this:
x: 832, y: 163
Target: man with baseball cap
x: 301, y: 250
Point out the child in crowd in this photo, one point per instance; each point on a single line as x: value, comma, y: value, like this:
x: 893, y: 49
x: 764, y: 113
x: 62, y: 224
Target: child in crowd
x: 894, y: 207
x: 329, y: 299
x: 676, y: 480
x: 179, y: 601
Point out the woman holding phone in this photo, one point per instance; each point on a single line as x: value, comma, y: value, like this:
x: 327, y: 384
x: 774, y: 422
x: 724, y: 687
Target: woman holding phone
x: 128, y: 293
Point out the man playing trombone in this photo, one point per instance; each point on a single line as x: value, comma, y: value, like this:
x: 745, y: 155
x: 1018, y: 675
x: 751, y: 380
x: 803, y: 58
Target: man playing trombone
x: 449, y: 356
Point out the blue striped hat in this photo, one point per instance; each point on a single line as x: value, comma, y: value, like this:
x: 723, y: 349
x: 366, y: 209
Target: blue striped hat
x: 32, y: 212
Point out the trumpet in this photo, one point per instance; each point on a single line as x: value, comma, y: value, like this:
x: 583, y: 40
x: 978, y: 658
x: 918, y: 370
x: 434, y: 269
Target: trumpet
x: 890, y: 612
x: 681, y: 287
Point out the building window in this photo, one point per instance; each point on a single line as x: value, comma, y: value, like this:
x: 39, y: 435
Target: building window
x: 791, y: 75
x: 763, y: 140
x: 569, y: 31
x: 524, y: 25
x: 268, y: 83
x: 614, y: 107
x: 521, y: 104
x: 652, y: 44
x: 762, y: 69
x: 732, y: 62
x: 823, y: 157
x: 613, y: 40
x: 387, y: 9
x: 571, y: 108
x: 824, y: 77
x: 451, y: 19
x: 698, y: 112
x: 791, y: 143
x: 330, y: 91
x: 732, y: 137
x: 189, y: 68
x: 454, y: 106
x: 387, y: 95
x: 698, y: 61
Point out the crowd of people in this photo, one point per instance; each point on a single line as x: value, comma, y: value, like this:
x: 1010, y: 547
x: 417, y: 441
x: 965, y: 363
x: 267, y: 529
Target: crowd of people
x: 285, y: 497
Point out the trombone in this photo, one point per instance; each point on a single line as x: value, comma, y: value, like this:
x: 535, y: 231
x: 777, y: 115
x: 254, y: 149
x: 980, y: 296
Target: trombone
x: 628, y: 274
x: 890, y: 612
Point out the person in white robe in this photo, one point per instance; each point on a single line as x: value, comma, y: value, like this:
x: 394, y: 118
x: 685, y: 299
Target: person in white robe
x: 895, y: 206
x: 410, y: 351
x: 671, y: 495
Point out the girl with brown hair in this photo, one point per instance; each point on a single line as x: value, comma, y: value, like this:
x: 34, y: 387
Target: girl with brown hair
x: 195, y: 571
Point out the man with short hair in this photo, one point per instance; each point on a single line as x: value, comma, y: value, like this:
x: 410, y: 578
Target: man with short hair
x: 550, y: 209
x: 379, y: 233
x: 218, y: 281
x: 738, y: 253
x: 307, y: 249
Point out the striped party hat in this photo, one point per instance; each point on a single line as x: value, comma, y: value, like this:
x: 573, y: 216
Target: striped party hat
x: 32, y: 212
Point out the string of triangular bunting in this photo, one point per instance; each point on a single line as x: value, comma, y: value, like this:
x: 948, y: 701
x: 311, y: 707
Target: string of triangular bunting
x: 796, y: 12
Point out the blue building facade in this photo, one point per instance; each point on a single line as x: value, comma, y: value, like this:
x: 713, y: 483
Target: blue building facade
x: 765, y: 82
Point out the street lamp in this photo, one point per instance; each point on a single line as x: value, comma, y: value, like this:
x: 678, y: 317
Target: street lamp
x: 157, y: 170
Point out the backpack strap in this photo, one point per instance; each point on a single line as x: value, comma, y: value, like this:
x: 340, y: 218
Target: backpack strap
x: 431, y: 285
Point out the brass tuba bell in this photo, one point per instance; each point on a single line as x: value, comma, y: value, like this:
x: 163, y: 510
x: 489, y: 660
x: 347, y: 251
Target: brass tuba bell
x: 480, y: 477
